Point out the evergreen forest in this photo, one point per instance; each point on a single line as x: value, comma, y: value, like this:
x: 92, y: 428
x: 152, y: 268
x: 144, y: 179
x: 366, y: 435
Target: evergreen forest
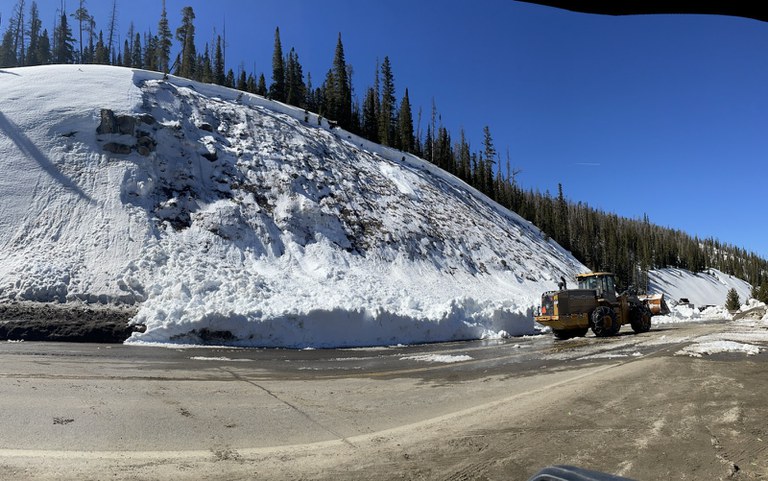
x: 601, y: 240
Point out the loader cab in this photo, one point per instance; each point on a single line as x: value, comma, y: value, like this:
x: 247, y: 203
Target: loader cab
x: 602, y: 282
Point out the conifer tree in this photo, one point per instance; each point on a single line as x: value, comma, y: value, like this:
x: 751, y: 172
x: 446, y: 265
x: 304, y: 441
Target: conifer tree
x: 206, y: 69
x: 732, y: 302
x: 7, y: 50
x: 242, y: 81
x: 405, y: 122
x: 261, y: 87
x: 35, y: 25
x: 65, y: 48
x: 101, y: 53
x: 219, y: 75
x: 294, y: 81
x: 341, y: 88
x: 489, y: 159
x: 185, y: 34
x: 370, y: 120
x: 164, y: 39
x: 127, y: 55
x: 150, y: 52
x: 387, y: 111
x: 277, y: 88
x: 136, y: 58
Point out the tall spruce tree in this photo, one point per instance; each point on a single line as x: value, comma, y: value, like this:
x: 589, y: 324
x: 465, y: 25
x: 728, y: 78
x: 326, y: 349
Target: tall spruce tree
x: 732, y: 302
x: 387, y: 110
x: 219, y: 75
x: 277, y: 88
x: 341, y: 89
x: 65, y: 43
x: 137, y: 60
x: 164, y: 41
x: 35, y: 26
x: 294, y: 81
x: 185, y: 34
x: 405, y: 123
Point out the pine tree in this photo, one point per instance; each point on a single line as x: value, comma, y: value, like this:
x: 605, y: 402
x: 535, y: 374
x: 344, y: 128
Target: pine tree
x: 7, y: 50
x: 341, y: 91
x: 150, y: 52
x: 127, y: 56
x: 405, y: 121
x: 732, y: 302
x: 261, y: 87
x: 101, y: 55
x: 219, y: 75
x: 206, y: 69
x: 277, y: 88
x: 370, y: 120
x: 136, y: 58
x: 65, y: 48
x: 489, y: 159
x: 44, y: 48
x: 185, y: 34
x: 294, y: 81
x: 164, y: 41
x: 387, y: 110
x: 35, y: 25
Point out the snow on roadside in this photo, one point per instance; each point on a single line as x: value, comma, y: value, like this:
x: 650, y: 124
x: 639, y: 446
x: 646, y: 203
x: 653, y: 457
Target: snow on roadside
x: 714, y: 347
x: 443, y: 358
x: 683, y: 313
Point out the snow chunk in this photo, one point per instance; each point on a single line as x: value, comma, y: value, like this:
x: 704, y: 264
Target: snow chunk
x: 444, y: 358
x: 714, y: 347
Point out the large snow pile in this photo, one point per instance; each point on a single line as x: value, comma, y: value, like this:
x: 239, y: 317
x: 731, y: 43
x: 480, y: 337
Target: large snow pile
x: 233, y: 219
x: 708, y: 288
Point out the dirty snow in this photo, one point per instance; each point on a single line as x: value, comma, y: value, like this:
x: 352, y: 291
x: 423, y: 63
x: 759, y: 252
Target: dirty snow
x: 714, y: 347
x: 443, y: 358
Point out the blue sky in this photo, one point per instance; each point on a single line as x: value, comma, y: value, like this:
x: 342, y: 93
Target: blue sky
x: 665, y: 115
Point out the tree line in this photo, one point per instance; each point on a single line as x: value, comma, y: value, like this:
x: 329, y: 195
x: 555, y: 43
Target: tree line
x: 600, y: 240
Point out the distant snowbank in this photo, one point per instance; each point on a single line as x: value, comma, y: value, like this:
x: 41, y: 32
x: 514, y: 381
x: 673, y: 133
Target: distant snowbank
x: 708, y: 288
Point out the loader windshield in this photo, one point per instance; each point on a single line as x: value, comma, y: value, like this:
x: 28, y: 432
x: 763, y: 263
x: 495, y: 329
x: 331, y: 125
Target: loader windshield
x: 588, y: 283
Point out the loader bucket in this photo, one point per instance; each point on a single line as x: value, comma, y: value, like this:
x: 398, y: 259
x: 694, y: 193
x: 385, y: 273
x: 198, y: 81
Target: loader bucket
x: 656, y: 303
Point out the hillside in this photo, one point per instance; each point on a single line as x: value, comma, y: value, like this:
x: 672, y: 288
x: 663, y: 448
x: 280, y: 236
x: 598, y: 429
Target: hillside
x: 707, y: 288
x: 227, y: 217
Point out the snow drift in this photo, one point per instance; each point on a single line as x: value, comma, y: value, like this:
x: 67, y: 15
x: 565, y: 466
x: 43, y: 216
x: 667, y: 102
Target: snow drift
x: 233, y: 219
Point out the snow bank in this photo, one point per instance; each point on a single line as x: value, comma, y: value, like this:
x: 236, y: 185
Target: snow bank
x: 684, y: 313
x: 232, y: 219
x: 708, y: 288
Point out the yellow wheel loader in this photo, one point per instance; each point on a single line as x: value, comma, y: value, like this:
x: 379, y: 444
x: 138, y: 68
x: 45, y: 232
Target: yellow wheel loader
x: 595, y: 305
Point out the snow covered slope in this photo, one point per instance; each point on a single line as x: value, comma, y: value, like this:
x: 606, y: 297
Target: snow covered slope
x: 701, y: 289
x: 231, y: 218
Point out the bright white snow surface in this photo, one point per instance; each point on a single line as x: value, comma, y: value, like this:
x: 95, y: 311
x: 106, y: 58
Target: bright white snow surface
x: 708, y: 288
x: 251, y: 222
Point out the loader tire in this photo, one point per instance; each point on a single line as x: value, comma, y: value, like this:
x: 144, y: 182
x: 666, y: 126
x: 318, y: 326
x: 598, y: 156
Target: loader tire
x: 604, y: 322
x: 564, y: 334
x: 640, y: 319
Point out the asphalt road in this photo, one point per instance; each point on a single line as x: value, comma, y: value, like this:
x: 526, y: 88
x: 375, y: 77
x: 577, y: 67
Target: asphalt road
x: 465, y: 410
